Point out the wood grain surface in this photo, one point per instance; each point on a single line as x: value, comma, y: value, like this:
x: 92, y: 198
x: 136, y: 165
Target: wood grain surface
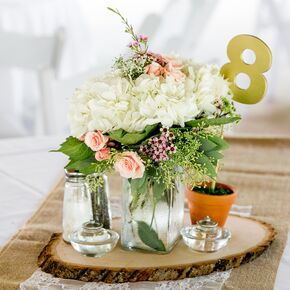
x: 250, y: 238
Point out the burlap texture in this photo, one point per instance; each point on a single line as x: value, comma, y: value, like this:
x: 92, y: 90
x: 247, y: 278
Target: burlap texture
x: 18, y: 259
x: 258, y: 168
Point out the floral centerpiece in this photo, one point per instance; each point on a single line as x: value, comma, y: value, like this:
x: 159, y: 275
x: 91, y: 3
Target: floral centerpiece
x: 157, y: 120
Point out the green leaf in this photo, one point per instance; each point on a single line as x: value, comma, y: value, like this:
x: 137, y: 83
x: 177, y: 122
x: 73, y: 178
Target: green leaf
x: 135, y: 201
x: 214, y: 154
x: 90, y: 169
x: 204, y: 161
x: 205, y: 122
x: 206, y: 144
x: 86, y: 166
x: 220, y: 142
x: 126, y: 138
x: 158, y: 190
x: 138, y: 188
x: 139, y: 185
x: 149, y: 237
x: 75, y: 149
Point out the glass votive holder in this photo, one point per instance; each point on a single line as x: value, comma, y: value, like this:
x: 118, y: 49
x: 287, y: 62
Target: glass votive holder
x: 205, y: 236
x: 93, y: 240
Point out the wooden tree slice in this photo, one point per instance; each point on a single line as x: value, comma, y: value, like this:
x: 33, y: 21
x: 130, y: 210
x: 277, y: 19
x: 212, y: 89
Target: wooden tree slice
x: 250, y: 238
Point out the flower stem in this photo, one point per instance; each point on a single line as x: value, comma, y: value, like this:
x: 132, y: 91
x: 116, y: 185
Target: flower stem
x: 153, y: 215
x: 213, y: 183
x: 129, y: 28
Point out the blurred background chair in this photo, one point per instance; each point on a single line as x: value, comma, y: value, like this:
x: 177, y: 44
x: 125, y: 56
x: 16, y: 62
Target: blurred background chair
x: 30, y: 87
x: 41, y: 56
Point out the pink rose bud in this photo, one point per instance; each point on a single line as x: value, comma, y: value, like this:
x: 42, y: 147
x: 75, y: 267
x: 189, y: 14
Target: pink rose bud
x: 130, y: 165
x: 103, y: 154
x: 96, y: 140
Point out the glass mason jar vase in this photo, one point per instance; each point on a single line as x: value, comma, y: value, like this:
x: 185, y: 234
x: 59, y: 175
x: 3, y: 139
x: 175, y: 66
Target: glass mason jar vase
x: 76, y: 203
x: 83, y: 202
x: 152, y: 216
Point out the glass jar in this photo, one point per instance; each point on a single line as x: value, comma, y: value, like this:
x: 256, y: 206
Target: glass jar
x: 76, y: 203
x: 205, y: 236
x: 94, y: 238
x: 151, y: 217
x: 100, y: 197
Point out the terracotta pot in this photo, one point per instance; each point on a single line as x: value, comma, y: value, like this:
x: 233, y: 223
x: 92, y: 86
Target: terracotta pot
x: 216, y: 206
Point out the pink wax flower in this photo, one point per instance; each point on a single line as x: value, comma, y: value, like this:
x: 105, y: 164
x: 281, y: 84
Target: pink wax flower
x: 130, y: 165
x: 158, y: 148
x: 133, y: 43
x: 103, y: 154
x: 143, y: 37
x: 96, y: 140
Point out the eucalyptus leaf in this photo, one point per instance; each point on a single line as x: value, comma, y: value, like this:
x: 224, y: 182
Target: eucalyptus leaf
x: 126, y: 138
x: 214, y: 154
x: 149, y: 237
x: 206, y: 144
x: 221, y: 143
x: 205, y: 122
x: 205, y: 161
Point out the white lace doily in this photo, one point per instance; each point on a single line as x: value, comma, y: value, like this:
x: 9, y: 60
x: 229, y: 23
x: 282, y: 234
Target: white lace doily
x: 43, y: 281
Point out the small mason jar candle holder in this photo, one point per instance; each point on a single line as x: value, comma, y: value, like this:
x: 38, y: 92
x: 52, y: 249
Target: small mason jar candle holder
x: 92, y: 239
x: 76, y: 203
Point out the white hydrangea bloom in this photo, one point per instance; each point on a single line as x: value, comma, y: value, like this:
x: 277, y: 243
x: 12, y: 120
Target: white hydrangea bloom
x: 211, y: 86
x: 111, y: 102
x: 165, y: 102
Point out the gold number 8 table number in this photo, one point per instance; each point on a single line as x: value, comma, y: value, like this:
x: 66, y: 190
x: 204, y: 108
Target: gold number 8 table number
x: 258, y: 83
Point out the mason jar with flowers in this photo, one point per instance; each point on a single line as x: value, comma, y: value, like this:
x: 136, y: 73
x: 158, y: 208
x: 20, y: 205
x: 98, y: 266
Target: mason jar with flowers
x: 156, y: 120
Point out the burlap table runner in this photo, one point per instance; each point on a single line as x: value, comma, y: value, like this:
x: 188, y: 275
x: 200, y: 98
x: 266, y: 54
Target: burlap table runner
x: 259, y: 168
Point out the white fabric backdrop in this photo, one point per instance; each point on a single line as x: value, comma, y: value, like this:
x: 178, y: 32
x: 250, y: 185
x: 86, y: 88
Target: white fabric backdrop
x: 194, y: 28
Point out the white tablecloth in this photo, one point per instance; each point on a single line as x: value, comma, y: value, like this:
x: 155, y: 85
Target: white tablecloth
x: 28, y: 172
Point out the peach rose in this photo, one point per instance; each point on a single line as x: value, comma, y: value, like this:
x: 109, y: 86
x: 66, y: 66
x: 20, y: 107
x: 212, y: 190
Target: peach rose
x: 102, y: 154
x: 171, y: 68
x: 96, y: 140
x: 173, y: 61
x: 130, y: 165
x: 177, y: 74
x: 154, y: 69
